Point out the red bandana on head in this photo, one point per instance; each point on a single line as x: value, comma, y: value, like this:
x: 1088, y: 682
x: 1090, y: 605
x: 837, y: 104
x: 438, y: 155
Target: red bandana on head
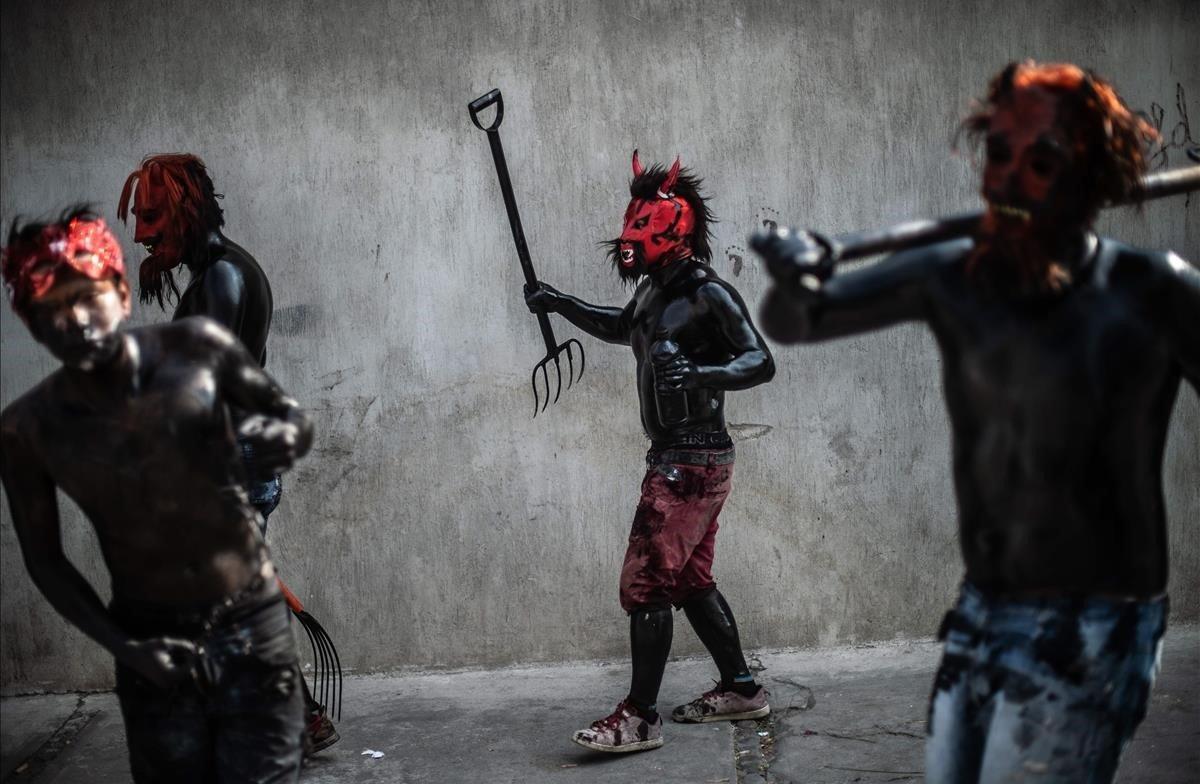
x: 661, y: 227
x: 85, y: 246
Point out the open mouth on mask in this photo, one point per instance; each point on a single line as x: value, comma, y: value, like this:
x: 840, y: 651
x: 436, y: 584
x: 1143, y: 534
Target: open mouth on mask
x: 627, y: 257
x: 1009, y: 211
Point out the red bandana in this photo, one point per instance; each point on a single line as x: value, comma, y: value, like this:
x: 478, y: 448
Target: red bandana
x: 85, y: 246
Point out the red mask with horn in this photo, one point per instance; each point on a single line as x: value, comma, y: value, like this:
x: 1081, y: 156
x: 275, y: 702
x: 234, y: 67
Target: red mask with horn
x: 658, y: 229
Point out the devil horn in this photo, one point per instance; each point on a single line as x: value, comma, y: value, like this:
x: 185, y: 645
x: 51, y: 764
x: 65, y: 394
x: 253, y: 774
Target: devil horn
x: 672, y: 176
x: 638, y: 171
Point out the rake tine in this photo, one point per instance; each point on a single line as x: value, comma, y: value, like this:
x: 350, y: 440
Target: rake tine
x: 325, y: 663
x: 323, y: 669
x: 318, y: 658
x: 545, y: 380
x: 335, y: 674
x: 558, y: 372
x: 329, y: 674
x: 533, y: 383
x: 582, y: 355
x: 312, y: 642
x: 570, y: 364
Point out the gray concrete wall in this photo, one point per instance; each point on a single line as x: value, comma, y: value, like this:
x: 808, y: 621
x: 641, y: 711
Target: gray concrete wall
x: 436, y: 524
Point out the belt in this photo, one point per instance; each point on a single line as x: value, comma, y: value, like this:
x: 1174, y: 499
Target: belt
x: 696, y: 457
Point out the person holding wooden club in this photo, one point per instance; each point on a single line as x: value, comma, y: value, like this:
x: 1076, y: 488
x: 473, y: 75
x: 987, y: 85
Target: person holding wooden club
x: 1062, y: 355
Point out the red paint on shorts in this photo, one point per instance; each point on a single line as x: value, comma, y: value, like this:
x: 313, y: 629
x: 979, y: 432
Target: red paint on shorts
x: 674, y: 533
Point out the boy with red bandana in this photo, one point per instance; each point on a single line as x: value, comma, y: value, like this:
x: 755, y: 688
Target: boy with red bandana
x: 136, y: 427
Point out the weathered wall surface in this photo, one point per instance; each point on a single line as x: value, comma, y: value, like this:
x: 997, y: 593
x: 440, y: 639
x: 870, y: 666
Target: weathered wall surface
x: 436, y: 524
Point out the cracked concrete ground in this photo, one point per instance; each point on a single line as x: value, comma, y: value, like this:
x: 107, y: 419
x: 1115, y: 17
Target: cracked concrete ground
x: 841, y: 715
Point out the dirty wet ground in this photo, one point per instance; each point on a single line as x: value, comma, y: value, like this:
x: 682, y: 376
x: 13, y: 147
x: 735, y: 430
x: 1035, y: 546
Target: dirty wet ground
x: 841, y: 715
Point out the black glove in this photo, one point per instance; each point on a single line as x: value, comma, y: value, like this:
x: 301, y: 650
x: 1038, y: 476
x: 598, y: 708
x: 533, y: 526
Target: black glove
x: 799, y: 261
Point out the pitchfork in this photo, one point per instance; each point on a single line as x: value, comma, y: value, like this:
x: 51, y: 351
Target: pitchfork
x: 554, y: 349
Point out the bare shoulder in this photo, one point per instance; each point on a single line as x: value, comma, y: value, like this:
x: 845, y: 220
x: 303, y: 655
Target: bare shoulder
x: 714, y: 290
x: 1127, y: 266
x: 200, y: 332
x: 23, y: 415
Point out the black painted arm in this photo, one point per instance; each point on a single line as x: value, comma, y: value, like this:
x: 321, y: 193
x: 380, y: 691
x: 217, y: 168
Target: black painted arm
x: 224, y: 292
x: 612, y: 325
x: 751, y: 363
x: 860, y: 300
x: 279, y: 430
x: 1177, y: 306
x: 34, y: 507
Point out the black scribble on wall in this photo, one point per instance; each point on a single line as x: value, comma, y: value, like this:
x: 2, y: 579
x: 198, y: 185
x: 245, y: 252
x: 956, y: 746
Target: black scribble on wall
x: 1178, y: 137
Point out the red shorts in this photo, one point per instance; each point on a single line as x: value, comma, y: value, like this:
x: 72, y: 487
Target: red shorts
x: 674, y: 531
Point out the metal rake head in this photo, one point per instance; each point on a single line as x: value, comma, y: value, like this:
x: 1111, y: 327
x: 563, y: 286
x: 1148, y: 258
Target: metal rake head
x: 544, y: 366
x: 327, y: 666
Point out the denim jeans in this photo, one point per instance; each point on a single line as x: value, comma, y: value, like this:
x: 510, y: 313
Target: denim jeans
x: 264, y: 495
x: 239, y: 719
x: 1040, y: 690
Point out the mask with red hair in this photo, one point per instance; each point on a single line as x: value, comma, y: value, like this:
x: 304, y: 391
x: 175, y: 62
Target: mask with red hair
x: 36, y: 256
x: 1059, y: 144
x: 175, y: 207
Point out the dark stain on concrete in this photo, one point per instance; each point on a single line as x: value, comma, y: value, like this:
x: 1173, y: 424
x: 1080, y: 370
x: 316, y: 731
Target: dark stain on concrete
x: 296, y: 319
x: 60, y: 739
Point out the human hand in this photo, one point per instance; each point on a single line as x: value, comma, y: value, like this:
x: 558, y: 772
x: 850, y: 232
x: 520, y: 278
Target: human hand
x: 799, y: 261
x: 163, y: 661
x: 679, y: 372
x: 541, y: 298
x: 276, y: 442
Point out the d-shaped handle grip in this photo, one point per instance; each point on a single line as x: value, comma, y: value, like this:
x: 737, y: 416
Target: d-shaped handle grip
x: 483, y: 102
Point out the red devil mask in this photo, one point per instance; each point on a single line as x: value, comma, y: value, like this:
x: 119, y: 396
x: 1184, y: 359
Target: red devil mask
x: 657, y: 230
x: 85, y: 247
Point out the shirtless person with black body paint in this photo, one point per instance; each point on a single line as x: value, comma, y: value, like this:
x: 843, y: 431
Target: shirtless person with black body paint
x: 1062, y: 355
x: 137, y: 428
x: 693, y: 340
x: 178, y: 220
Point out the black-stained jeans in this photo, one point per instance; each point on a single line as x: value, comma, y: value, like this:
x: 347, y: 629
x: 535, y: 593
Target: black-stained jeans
x: 239, y: 719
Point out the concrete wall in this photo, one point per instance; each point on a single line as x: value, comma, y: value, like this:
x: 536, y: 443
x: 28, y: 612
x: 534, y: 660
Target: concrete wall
x: 436, y: 524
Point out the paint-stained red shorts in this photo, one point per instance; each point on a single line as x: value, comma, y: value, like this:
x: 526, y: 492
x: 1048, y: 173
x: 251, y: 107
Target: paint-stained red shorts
x: 674, y: 530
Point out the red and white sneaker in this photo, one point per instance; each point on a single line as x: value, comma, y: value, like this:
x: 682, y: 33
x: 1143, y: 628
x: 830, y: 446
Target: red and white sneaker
x: 622, y: 731
x: 319, y: 733
x: 720, y: 705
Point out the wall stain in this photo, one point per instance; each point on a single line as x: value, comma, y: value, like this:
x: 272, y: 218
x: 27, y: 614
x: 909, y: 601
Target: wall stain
x: 296, y: 319
x: 747, y: 431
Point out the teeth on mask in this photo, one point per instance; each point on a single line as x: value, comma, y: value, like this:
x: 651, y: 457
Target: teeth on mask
x: 1012, y: 212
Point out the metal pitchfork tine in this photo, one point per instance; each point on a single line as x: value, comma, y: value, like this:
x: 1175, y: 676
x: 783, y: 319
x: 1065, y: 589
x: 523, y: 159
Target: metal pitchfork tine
x: 554, y: 349
x: 327, y: 665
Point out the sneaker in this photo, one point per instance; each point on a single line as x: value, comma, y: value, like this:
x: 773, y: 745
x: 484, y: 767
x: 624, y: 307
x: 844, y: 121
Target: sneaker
x: 622, y: 731
x: 319, y: 733
x: 721, y: 705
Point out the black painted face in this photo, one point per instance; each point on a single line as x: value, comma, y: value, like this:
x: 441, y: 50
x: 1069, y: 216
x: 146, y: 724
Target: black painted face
x: 78, y: 320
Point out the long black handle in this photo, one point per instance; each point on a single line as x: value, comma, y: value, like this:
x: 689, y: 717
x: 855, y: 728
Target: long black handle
x: 510, y: 201
x: 914, y: 234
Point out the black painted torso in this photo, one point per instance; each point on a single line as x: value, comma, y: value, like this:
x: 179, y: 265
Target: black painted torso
x: 1059, y: 408
x: 678, y: 312
x: 232, y: 289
